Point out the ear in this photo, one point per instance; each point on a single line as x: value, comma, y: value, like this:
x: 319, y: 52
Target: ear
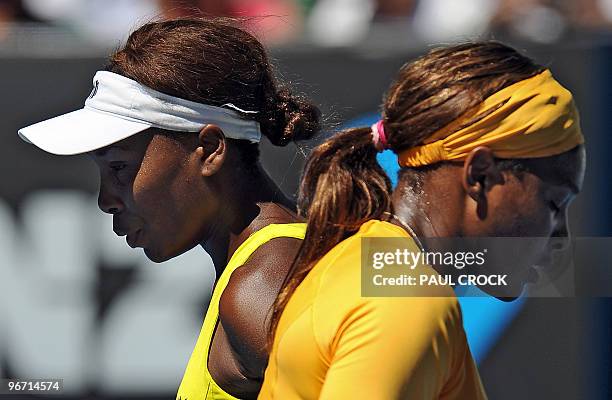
x: 212, y: 149
x: 480, y: 173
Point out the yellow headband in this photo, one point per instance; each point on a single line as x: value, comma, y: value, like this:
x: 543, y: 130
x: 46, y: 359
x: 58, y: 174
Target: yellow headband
x: 533, y: 118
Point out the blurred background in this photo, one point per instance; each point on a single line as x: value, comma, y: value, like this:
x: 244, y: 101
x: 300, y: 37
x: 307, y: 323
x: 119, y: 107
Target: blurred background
x: 76, y: 303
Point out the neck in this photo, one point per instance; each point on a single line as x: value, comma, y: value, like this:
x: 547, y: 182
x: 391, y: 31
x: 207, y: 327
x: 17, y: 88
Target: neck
x: 428, y: 213
x: 240, y: 214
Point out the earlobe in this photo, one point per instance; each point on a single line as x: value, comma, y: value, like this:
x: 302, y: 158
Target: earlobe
x: 212, y: 149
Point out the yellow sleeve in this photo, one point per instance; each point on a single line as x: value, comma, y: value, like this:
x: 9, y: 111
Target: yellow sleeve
x: 401, y: 348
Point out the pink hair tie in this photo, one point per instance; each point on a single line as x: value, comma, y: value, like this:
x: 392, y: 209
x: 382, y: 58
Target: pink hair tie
x: 378, y: 136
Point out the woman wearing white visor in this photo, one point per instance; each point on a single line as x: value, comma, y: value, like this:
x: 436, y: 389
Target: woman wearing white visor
x: 173, y: 124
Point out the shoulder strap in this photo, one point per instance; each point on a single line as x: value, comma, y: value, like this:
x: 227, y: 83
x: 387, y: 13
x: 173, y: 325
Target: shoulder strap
x: 256, y: 240
x: 240, y: 256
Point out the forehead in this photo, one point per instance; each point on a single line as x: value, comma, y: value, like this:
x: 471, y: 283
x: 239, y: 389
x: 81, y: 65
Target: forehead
x: 136, y: 144
x: 566, y: 169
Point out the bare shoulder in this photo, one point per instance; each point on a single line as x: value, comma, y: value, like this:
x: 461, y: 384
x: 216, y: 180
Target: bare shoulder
x: 259, y: 279
x: 246, y: 301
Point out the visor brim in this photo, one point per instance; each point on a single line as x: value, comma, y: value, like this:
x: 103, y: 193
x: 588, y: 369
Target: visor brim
x: 80, y: 131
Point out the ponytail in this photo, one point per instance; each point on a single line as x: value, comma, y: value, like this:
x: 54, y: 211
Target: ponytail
x: 343, y: 186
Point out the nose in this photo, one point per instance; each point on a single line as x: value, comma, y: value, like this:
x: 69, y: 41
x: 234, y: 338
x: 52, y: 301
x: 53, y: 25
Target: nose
x: 109, y: 202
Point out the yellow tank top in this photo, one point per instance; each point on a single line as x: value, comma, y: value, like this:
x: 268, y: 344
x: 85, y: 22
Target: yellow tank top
x: 331, y: 343
x: 197, y: 383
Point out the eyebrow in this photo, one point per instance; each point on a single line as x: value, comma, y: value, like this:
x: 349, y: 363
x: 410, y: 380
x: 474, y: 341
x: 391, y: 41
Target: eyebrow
x: 103, y: 151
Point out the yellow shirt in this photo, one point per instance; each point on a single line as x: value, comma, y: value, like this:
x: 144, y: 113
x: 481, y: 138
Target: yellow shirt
x: 331, y: 343
x: 197, y: 383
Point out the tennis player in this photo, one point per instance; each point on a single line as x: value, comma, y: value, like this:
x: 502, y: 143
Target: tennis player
x: 490, y: 145
x: 173, y: 124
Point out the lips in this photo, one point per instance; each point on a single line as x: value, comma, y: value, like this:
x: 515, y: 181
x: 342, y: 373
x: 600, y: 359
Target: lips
x: 120, y: 230
x: 132, y: 239
x: 132, y: 235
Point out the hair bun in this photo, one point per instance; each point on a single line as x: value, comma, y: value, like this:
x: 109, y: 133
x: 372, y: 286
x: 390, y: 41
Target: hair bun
x: 289, y: 118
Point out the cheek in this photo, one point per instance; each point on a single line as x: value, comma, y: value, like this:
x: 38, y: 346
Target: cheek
x: 520, y: 210
x: 157, y: 195
x: 532, y: 218
x: 174, y: 207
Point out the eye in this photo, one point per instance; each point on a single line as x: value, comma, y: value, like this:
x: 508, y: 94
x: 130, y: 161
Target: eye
x: 117, y: 165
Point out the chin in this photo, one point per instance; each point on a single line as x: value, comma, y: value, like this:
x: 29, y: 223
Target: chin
x: 156, y: 257
x: 159, y: 255
x: 507, y: 299
x: 506, y: 294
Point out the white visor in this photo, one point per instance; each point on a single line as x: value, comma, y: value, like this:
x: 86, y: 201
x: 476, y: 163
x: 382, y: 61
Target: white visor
x: 119, y: 107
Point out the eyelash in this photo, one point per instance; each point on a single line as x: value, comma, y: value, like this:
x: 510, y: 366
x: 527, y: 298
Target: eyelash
x: 117, y: 166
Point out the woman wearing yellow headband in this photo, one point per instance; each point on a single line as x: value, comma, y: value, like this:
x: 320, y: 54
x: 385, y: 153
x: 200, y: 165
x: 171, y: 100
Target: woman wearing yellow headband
x: 489, y: 145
